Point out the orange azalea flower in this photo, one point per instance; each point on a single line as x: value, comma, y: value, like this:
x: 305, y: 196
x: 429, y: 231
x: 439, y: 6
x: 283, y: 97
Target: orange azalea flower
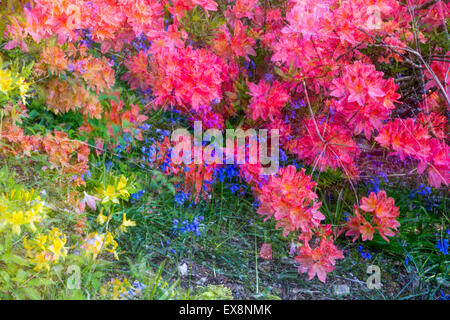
x: 266, y: 251
x: 383, y: 213
x: 320, y: 260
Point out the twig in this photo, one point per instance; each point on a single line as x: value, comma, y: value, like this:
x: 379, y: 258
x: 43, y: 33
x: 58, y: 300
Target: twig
x: 312, y: 113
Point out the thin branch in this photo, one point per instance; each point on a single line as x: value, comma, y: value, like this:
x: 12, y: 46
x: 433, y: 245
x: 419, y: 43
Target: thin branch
x: 312, y: 113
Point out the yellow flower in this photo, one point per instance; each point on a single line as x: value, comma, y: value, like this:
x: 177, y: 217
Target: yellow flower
x: 114, y: 192
x: 17, y: 219
x: 46, y: 249
x: 20, y: 208
x: 94, y: 242
x: 23, y: 86
x: 121, y: 187
x: 58, y: 250
x: 122, y: 183
x: 3, y: 207
x: 109, y: 194
x: 41, y: 262
x: 5, y: 81
x: 126, y: 223
x: 109, y: 241
x: 101, y: 219
x: 58, y: 240
x: 40, y: 241
x: 116, y: 289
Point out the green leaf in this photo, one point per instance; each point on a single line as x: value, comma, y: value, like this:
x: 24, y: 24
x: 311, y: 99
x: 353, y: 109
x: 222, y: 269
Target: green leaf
x: 32, y: 293
x: 116, y: 129
x: 126, y: 124
x: 36, y: 282
x: 12, y: 258
x: 21, y: 276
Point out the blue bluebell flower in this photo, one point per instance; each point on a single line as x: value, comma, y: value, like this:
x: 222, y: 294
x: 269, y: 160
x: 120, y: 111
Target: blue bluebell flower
x: 374, y: 185
x: 268, y: 77
x: 442, y: 246
x: 346, y: 216
x: 188, y: 227
x: 145, y: 127
x: 226, y: 173
x: 181, y: 198
x: 283, y: 156
x: 444, y: 296
x: 108, y: 165
x: 422, y: 190
x: 139, y: 286
x: 137, y: 196
x: 299, y: 104
x: 127, y: 137
x: 234, y: 188
x: 407, y: 260
x: 364, y: 255
x: 119, y: 148
x: 87, y: 175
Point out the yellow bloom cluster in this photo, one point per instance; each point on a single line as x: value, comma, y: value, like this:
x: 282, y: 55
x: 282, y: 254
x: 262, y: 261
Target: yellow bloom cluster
x: 10, y: 82
x: 101, y: 219
x: 95, y: 243
x: 116, y: 191
x: 46, y: 249
x: 20, y: 208
x: 116, y: 289
x: 126, y: 223
x: 6, y: 81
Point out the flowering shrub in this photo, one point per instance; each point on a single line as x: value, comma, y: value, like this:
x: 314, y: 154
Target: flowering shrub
x: 320, y: 72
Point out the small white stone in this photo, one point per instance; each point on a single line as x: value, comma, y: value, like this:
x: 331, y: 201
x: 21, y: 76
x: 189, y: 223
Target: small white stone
x: 341, y: 290
x: 183, y: 269
x: 202, y: 280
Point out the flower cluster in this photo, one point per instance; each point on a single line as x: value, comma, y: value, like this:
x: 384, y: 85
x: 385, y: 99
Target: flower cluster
x: 117, y: 289
x: 442, y: 246
x: 88, y: 74
x: 289, y: 198
x: 47, y: 249
x: 187, y: 77
x: 267, y: 100
x: 12, y: 84
x: 71, y: 157
x: 364, y: 254
x: 318, y: 261
x: 409, y: 138
x: 383, y: 213
x: 95, y: 243
x: 186, y: 226
x: 19, y: 209
x: 114, y: 192
x: 326, y: 145
x: 365, y: 99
